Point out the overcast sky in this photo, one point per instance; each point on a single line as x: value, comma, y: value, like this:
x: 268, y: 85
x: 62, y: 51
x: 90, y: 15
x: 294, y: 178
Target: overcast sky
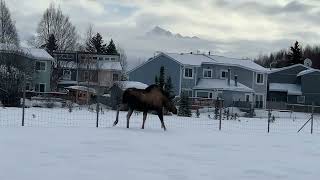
x: 238, y: 28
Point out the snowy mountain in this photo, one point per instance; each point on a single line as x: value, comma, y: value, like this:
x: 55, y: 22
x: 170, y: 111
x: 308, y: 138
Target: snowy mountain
x: 160, y: 32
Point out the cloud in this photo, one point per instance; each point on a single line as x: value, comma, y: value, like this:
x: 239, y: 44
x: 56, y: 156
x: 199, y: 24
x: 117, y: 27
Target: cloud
x: 239, y: 28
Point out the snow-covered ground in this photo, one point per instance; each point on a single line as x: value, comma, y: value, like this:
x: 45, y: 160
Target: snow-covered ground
x: 192, y: 148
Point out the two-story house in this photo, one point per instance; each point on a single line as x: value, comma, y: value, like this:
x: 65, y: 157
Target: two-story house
x: 88, y: 69
x: 296, y: 84
x: 208, y: 76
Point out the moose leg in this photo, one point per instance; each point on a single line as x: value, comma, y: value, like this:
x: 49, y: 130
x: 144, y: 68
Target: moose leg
x: 160, y: 115
x: 128, y: 116
x: 144, y: 118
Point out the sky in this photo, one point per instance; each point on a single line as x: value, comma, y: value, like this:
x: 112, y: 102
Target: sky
x: 236, y: 28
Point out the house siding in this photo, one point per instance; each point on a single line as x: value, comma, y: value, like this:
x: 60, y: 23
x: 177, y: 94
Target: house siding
x: 146, y: 73
x: 310, y: 87
x: 286, y: 76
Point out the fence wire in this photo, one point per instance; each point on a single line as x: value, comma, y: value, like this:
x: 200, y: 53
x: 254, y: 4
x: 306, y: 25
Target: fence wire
x: 83, y: 116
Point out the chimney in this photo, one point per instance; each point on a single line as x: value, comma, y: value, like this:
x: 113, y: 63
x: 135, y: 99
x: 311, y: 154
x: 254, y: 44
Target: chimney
x: 236, y: 80
x: 229, y: 76
x: 209, y: 53
x: 191, y: 52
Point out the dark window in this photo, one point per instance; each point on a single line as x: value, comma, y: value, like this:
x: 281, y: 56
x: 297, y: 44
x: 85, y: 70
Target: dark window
x: 115, y: 77
x: 259, y: 78
x: 40, y: 66
x: 188, y: 73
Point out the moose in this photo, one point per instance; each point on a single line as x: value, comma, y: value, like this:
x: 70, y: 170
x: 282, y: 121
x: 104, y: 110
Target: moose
x: 153, y: 98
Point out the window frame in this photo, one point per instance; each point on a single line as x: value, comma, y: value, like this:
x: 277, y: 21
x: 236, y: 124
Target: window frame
x: 64, y: 76
x: 41, y: 62
x: 224, y: 71
x: 204, y: 73
x: 262, y: 75
x: 301, y: 102
x: 38, y: 85
x: 184, y: 73
x: 113, y: 77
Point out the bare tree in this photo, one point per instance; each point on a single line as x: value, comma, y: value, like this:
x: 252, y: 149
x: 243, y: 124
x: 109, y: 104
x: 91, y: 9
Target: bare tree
x: 55, y: 22
x: 123, y: 62
x: 8, y: 32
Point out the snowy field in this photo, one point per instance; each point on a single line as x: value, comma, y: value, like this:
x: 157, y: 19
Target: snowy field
x: 192, y: 148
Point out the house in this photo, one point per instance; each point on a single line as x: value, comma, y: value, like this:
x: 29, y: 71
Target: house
x: 81, y: 94
x: 296, y: 84
x: 119, y: 87
x: 87, y: 69
x: 40, y: 81
x: 208, y: 76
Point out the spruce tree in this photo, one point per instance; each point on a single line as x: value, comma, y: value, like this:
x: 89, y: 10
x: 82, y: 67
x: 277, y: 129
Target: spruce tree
x: 161, y: 77
x: 184, y: 106
x: 8, y: 31
x: 295, y: 54
x: 156, y: 81
x: 168, y: 88
x: 51, y: 44
x: 111, y: 48
x: 96, y: 44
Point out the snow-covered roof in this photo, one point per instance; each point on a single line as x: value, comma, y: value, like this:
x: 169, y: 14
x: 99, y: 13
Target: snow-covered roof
x: 245, y: 63
x: 82, y: 88
x: 285, y: 68
x: 221, y: 84
x: 189, y: 59
x: 308, y: 71
x: 291, y: 89
x: 37, y: 53
x: 131, y: 84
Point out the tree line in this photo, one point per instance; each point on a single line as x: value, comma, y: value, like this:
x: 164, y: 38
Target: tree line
x: 296, y: 54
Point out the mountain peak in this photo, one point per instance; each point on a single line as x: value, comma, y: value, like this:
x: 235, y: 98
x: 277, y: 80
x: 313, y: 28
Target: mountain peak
x: 161, y: 32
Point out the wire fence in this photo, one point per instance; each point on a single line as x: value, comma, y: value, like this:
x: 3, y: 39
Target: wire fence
x: 88, y: 117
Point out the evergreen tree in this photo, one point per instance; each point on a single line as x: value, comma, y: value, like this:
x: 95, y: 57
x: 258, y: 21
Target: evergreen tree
x: 295, y: 54
x: 161, y: 77
x: 96, y: 44
x: 51, y: 44
x: 184, y: 106
x: 168, y: 88
x: 156, y: 81
x: 111, y: 48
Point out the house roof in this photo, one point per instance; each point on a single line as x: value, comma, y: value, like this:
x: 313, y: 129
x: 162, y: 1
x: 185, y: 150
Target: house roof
x: 37, y: 53
x: 221, y: 84
x: 291, y: 89
x: 288, y: 67
x: 308, y: 71
x: 245, y: 63
x: 199, y: 59
x: 189, y: 59
x: 131, y: 84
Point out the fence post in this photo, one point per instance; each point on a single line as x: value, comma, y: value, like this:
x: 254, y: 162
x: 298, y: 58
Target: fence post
x: 269, y: 119
x: 97, y: 108
x: 220, y: 118
x: 312, y: 110
x: 23, y: 99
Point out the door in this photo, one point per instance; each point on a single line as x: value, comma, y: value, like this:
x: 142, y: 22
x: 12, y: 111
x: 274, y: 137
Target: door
x: 259, y: 101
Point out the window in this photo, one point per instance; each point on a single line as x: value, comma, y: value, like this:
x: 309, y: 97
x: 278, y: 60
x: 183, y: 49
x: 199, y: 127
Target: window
x: 100, y: 58
x: 273, y: 99
x: 113, y: 59
x: 28, y: 86
x: 115, y: 77
x: 40, y: 66
x: 210, y: 95
x: 66, y: 74
x: 188, y: 73
x: 259, y: 101
x: 40, y: 87
x: 107, y: 59
x: 207, y: 73
x: 95, y: 57
x: 187, y: 91
x: 301, y: 99
x: 260, y: 79
x: 224, y: 74
x: 86, y: 76
x: 247, y: 97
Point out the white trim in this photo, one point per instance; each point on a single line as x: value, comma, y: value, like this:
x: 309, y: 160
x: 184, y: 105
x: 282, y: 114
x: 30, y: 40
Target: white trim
x: 45, y: 66
x: 180, y: 80
x: 223, y: 70
x: 250, y: 96
x: 184, y: 72
x: 208, y: 70
x: 262, y: 78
